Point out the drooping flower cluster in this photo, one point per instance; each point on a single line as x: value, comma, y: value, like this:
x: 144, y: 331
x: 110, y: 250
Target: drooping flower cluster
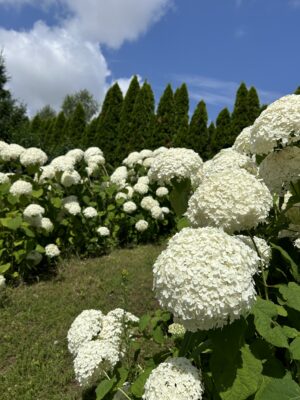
x: 178, y: 163
x: 232, y: 199
x: 205, y: 278
x: 175, y: 378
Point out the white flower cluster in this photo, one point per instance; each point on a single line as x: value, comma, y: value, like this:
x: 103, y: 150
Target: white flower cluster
x: 129, y: 207
x: 95, y: 340
x: 137, y: 157
x: 297, y: 243
x: 21, y: 187
x: 46, y: 224
x: 141, y: 188
x: 103, y: 231
x: 77, y: 154
x: 48, y: 172
x: 4, y: 178
x: 173, y: 379
x: 141, y: 225
x: 51, y: 250
x: 176, y: 330
x: 278, y: 124
x: 280, y: 168
x: 161, y: 191
x: 33, y: 210
x: 228, y: 159
x: 242, y: 142
x: 90, y: 212
x: 70, y: 178
x: 205, y: 278
x: 2, y: 282
x: 148, y: 202
x: 178, y: 163
x: 119, y: 177
x: 11, y: 152
x: 260, y: 246
x: 63, y: 163
x: 71, y: 205
x: 232, y: 199
x: 94, y: 158
x: 33, y: 156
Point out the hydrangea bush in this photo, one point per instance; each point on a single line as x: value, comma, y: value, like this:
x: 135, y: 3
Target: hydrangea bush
x: 228, y: 281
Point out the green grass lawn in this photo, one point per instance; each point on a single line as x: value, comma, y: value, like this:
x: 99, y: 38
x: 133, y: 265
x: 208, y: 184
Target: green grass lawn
x: 34, y: 360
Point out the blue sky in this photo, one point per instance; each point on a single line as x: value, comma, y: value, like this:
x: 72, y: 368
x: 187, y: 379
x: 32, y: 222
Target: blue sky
x: 212, y: 45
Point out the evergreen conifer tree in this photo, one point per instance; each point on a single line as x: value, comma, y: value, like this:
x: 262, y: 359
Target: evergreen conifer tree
x: 126, y: 133
x: 90, y: 134
x: 76, y: 128
x: 222, y: 136
x: 253, y: 105
x: 108, y: 124
x: 240, y: 118
x: 211, y: 134
x: 58, y: 135
x: 198, y: 131
x: 165, y: 119
x: 181, y: 104
x: 297, y: 91
x: 143, y: 120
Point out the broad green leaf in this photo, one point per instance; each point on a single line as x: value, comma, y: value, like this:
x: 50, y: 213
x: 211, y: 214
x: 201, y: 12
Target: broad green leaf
x: 291, y: 294
x: 295, y: 349
x: 289, y: 332
x: 105, y: 387
x: 180, y: 195
x: 278, y: 389
x: 56, y: 202
x: 265, y: 313
x: 158, y: 335
x: 37, y: 193
x: 122, y: 375
x: 137, y: 388
x: 144, y: 321
x: 11, y: 223
x: 182, y: 223
x: 12, y: 199
x: 281, y: 311
x: 40, y: 249
x: 4, y: 268
x: 288, y: 258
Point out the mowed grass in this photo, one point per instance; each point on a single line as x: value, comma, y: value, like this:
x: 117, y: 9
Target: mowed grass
x: 34, y: 360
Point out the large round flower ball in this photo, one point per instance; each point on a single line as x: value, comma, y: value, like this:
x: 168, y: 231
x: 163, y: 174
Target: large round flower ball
x: 33, y: 156
x: 173, y: 379
x: 205, y: 278
x: 277, y: 124
x: 232, y: 199
x: 178, y: 163
x: 280, y: 168
x: 242, y: 141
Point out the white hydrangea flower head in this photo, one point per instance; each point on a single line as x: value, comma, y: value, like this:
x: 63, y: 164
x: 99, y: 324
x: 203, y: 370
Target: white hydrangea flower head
x: 33, y: 156
x: 93, y: 359
x: 157, y: 212
x: 165, y: 210
x: 278, y: 124
x: 63, y: 163
x: 158, y: 151
x: 161, y: 191
x: 119, y: 177
x: 21, y: 187
x: 242, y: 142
x: 70, y: 178
x: 129, y: 191
x: 176, y: 330
x: 121, y: 195
x: 33, y: 210
x: 12, y: 152
x: 77, y: 154
x: 51, y: 250
x: 232, y: 199
x: 46, y: 224
x: 297, y: 243
x: 34, y: 257
x: 129, y: 207
x: 71, y: 205
x: 261, y: 247
x: 97, y: 159
x: 173, y: 379
x: 2, y: 282
x: 286, y: 198
x: 4, y: 178
x: 146, y: 153
x: 86, y: 327
x: 92, y: 169
x: 132, y: 159
x: 141, y: 188
x: 141, y: 225
x: 103, y: 231
x: 92, y: 151
x: 90, y: 212
x: 178, y: 163
x: 280, y: 168
x: 144, y: 180
x: 147, y: 162
x: 228, y: 159
x: 3, y: 145
x: 148, y: 203
x: 205, y: 278
x: 48, y: 172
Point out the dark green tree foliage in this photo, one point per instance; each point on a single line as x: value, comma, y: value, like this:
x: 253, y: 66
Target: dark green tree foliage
x: 12, y: 115
x: 211, y: 135
x: 297, y: 91
x: 87, y: 100
x: 143, y: 120
x: 126, y: 133
x: 76, y: 128
x: 165, y: 119
x: 46, y: 113
x: 198, y: 131
x: 90, y: 134
x: 58, y: 136
x: 239, y: 118
x: 181, y: 104
x: 108, y: 123
x: 253, y: 105
x: 222, y: 137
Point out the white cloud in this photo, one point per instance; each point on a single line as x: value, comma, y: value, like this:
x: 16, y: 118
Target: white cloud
x: 47, y: 63
x: 124, y: 83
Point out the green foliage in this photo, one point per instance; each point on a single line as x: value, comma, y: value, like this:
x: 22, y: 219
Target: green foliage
x: 198, y: 132
x: 164, y: 120
x: 240, y: 118
x: 87, y: 101
x: 221, y: 137
x: 181, y: 105
x: 253, y: 105
x: 76, y: 127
